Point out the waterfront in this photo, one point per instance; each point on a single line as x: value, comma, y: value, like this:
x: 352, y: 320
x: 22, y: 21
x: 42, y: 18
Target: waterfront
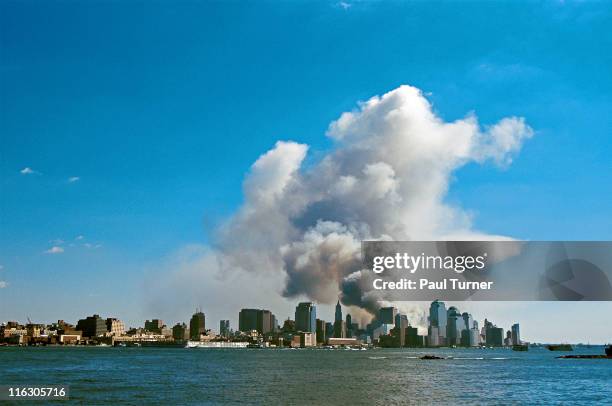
x: 308, y: 376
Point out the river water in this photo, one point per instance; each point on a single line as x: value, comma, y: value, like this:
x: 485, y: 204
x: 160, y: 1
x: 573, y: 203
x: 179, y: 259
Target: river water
x: 99, y: 375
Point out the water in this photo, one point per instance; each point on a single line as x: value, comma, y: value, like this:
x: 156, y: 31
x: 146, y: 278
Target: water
x: 382, y: 376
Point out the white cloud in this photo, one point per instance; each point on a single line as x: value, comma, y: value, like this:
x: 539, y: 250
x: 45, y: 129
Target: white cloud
x: 28, y: 171
x: 54, y: 250
x: 79, y: 237
x: 3, y: 284
x: 344, y: 5
x: 73, y: 179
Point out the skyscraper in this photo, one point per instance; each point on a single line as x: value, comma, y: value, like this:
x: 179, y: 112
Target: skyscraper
x: 224, y: 327
x: 516, y: 334
x: 197, y: 325
x: 338, y: 312
x: 495, y: 336
x: 454, y: 326
x: 321, y: 333
x: 349, y: 326
x: 306, y: 317
x: 401, y: 324
x: 247, y: 320
x: 180, y: 331
x: 256, y: 319
x: 386, y: 315
x: 437, y: 318
x: 264, y: 321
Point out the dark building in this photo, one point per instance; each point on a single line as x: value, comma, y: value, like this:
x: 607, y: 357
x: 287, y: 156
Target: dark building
x: 305, y: 317
x: 338, y: 312
x: 264, y: 321
x: 288, y: 326
x: 413, y: 339
x: 256, y: 319
x: 329, y: 330
x: 340, y: 329
x: 154, y: 326
x: 92, y: 326
x: 197, y: 326
x: 321, y: 336
x: 224, y: 328
x: 247, y: 319
x: 349, y: 326
x: 401, y: 323
x: 180, y: 331
x: 386, y: 315
x: 495, y: 336
x: 516, y: 334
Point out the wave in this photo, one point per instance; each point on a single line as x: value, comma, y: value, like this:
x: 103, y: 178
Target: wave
x: 468, y: 358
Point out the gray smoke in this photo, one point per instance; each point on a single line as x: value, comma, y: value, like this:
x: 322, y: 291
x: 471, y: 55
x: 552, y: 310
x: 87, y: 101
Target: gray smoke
x: 385, y: 178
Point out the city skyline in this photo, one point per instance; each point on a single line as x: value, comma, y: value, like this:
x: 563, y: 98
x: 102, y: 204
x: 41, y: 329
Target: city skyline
x: 507, y: 323
x: 388, y: 328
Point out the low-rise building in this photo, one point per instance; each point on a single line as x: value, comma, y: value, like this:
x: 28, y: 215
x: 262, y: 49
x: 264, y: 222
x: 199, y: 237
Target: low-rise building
x: 115, y: 327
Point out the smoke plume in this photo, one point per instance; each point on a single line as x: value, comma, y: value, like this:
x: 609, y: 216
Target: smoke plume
x: 386, y: 177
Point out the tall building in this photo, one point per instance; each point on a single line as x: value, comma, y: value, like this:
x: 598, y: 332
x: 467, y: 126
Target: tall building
x: 386, y: 315
x: 306, y: 317
x: 437, y: 318
x: 413, y: 339
x: 197, y: 326
x: 340, y: 329
x: 329, y: 330
x: 495, y: 336
x: 516, y: 334
x: 454, y: 326
x: 349, y: 326
x: 224, y: 328
x: 401, y: 324
x: 256, y: 319
x: 338, y: 312
x: 468, y: 321
x: 180, y: 331
x: 264, y: 321
x: 321, y: 336
x: 508, y: 340
x: 115, y: 327
x: 433, y: 336
x: 92, y: 326
x: 247, y: 320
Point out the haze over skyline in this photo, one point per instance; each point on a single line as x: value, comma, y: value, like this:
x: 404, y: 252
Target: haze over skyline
x: 127, y: 134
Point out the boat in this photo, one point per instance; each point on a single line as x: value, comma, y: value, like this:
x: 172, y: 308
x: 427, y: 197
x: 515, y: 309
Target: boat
x: 216, y: 344
x: 608, y: 355
x: 255, y: 346
x: 520, y: 347
x: 428, y: 357
x: 560, y: 347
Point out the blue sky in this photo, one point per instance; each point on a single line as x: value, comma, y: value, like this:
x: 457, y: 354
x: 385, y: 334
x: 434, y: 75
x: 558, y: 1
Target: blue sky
x: 160, y: 110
